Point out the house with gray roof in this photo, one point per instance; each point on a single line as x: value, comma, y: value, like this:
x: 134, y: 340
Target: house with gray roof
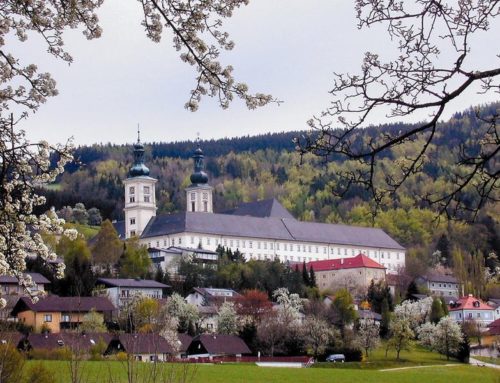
x: 440, y: 284
x: 261, y: 230
x: 120, y: 291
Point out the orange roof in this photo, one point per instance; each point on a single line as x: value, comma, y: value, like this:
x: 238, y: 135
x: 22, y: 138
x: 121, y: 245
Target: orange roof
x: 470, y: 303
x: 358, y: 261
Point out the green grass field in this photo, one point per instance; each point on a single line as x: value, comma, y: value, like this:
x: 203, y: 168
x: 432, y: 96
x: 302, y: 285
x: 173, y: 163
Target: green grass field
x: 97, y: 372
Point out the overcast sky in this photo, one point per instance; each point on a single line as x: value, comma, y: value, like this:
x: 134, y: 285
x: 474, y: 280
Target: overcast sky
x: 289, y: 48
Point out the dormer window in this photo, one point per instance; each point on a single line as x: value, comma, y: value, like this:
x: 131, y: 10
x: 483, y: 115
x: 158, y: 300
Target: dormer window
x: 476, y: 304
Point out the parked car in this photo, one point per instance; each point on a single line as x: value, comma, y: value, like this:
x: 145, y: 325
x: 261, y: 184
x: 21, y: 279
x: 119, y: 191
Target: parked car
x: 336, y: 358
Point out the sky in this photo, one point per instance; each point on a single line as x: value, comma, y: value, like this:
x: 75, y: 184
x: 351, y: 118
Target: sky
x: 288, y: 48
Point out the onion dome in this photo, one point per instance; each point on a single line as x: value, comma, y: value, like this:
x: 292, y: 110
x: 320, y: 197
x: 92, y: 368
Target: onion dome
x: 138, y: 168
x: 199, y: 176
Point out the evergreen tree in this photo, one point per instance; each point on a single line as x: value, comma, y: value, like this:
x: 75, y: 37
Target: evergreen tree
x: 437, y: 311
x: 312, y: 277
x: 385, y: 322
x: 135, y: 260
x: 305, y: 275
x: 411, y: 291
x: 107, y: 246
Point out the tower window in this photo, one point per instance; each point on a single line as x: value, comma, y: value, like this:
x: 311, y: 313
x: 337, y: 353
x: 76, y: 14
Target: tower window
x: 132, y: 221
x: 146, y: 190
x: 132, y: 233
x: 192, y: 206
x: 205, y: 206
x: 132, y: 199
x: 193, y: 196
x: 131, y: 190
x: 205, y: 195
x: 146, y: 198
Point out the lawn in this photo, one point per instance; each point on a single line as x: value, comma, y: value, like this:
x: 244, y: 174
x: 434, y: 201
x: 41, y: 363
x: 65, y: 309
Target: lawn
x: 418, y: 356
x: 99, y: 372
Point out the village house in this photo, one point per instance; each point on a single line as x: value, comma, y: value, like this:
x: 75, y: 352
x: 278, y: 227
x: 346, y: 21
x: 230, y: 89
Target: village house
x: 207, y: 296
x: 439, y: 284
x: 55, y: 313
x: 9, y: 285
x: 120, y: 291
x: 215, y: 345
x: 145, y: 347
x: 470, y: 308
x: 169, y: 259
x: 351, y: 273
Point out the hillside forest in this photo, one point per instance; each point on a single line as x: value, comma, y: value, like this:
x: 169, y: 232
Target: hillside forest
x: 266, y: 166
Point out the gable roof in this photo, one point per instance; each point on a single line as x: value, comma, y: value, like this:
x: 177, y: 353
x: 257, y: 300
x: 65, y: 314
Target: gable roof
x: 438, y: 277
x: 359, y: 261
x: 218, y: 344
x: 38, y: 278
x: 72, y: 340
x: 213, y: 293
x: 263, y: 208
x: 130, y: 282
x: 286, y: 229
x: 120, y: 228
x: 470, y: 303
x: 145, y: 343
x: 54, y: 303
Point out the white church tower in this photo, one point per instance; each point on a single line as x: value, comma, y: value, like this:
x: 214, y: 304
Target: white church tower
x: 199, y: 194
x: 140, y: 198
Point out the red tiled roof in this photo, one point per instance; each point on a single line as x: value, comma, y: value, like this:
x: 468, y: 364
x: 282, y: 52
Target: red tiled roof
x: 358, y: 261
x: 470, y: 303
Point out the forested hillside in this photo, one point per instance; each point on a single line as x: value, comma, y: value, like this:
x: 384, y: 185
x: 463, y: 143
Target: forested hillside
x: 250, y: 168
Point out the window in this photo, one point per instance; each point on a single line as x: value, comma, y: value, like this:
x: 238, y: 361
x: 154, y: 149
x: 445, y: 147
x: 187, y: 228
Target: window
x: 345, y: 251
x: 231, y: 243
x: 205, y: 195
x: 47, y: 318
x: 250, y: 244
x: 470, y: 315
x: 132, y: 199
x: 271, y: 246
x: 277, y: 246
x: 132, y: 221
x: 147, y: 199
x: 258, y: 245
x: 164, y: 242
x: 193, y: 196
x: 193, y: 206
x: 131, y: 190
x: 157, y: 243
x: 146, y: 190
x: 65, y: 318
x: 192, y: 240
x: 132, y: 233
x: 205, y: 206
x: 286, y: 247
x: 208, y: 241
x: 179, y: 241
x: 265, y: 245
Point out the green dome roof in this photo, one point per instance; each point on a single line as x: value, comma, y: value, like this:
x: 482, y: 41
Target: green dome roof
x: 138, y: 169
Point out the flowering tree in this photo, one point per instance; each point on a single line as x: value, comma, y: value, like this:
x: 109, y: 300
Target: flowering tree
x: 416, y: 313
x: 289, y: 305
x: 318, y: 334
x: 186, y: 314
x: 227, y: 320
x: 401, y: 334
x: 367, y: 336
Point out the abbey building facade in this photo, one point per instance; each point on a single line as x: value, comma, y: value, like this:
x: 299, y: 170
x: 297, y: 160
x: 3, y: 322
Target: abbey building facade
x: 260, y: 230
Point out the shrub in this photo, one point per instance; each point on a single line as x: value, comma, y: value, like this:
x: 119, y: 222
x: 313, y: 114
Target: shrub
x: 39, y: 374
x: 11, y: 364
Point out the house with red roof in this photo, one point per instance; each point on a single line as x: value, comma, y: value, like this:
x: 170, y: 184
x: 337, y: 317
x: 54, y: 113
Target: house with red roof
x: 351, y: 273
x: 470, y: 308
